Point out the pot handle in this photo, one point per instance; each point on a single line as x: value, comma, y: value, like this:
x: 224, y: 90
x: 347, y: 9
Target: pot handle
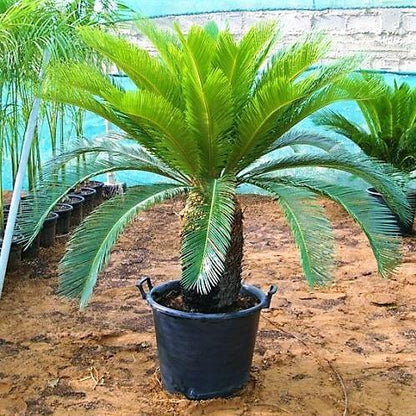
x: 270, y: 293
x: 141, y: 282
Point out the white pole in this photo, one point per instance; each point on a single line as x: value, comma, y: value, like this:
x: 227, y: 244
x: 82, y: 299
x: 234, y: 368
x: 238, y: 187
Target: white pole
x: 111, y: 176
x: 18, y: 185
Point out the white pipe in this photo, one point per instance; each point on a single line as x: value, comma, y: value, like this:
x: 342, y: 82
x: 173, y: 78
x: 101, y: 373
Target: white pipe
x: 18, y: 185
x: 111, y: 176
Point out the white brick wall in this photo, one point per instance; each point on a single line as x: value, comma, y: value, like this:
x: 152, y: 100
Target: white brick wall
x: 387, y: 37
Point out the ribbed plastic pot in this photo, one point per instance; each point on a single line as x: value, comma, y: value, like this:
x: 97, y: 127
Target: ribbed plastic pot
x: 204, y: 355
x: 98, y: 187
x: 88, y: 194
x: 48, y: 232
x: 76, y: 201
x: 64, y: 212
x: 405, y: 229
x: 32, y: 251
x: 15, y: 256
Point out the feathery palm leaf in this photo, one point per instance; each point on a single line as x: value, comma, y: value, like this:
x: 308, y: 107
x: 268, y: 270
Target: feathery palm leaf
x: 90, y: 245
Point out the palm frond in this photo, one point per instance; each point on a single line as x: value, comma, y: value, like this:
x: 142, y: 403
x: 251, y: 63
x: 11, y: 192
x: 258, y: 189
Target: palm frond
x: 90, y: 246
x: 305, y: 138
x: 375, y: 173
x: 210, y: 116
x: 294, y: 60
x: 55, y: 184
x: 375, y: 219
x: 164, y: 123
x: 207, y: 237
x: 145, y: 71
x: 309, y: 226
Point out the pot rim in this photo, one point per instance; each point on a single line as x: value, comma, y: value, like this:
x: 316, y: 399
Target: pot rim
x: 68, y: 207
x: 252, y: 290
x: 52, y: 216
x: 80, y: 199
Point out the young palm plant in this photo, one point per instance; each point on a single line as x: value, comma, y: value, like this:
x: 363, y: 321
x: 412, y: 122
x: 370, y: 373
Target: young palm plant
x: 210, y: 114
x: 389, y: 130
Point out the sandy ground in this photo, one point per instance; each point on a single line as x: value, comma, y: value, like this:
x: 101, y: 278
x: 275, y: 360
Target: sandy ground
x: 351, y: 345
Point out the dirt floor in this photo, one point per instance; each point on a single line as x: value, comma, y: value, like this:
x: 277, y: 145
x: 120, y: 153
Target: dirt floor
x: 351, y: 345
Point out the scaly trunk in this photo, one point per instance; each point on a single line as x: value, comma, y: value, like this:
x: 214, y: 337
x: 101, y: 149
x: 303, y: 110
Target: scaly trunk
x: 226, y: 292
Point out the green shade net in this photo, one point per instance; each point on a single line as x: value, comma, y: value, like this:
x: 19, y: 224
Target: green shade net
x: 152, y: 8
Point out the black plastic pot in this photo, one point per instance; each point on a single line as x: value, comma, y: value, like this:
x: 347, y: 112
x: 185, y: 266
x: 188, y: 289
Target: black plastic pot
x: 32, y: 251
x: 77, y: 202
x: 48, y: 232
x: 411, y: 195
x: 98, y: 187
x: 88, y: 194
x: 64, y: 218
x: 204, y: 355
x: 15, y: 256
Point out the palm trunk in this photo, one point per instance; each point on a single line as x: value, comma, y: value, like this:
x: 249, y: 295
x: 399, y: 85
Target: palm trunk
x: 226, y: 292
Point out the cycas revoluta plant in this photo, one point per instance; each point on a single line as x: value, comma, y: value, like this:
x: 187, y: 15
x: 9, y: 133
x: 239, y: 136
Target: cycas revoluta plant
x: 206, y: 115
x: 389, y: 130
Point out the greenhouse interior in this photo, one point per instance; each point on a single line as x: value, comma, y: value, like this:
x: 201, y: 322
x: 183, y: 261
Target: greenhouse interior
x: 208, y: 208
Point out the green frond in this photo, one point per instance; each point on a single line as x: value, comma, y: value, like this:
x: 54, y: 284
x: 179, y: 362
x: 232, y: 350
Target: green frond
x: 165, y: 42
x: 84, y: 78
x: 375, y: 219
x: 305, y: 138
x: 241, y: 61
x: 310, y: 228
x: 55, y: 183
x: 164, y: 123
x: 145, y: 71
x: 209, y: 114
x: 90, y: 246
x: 294, y: 60
x: 206, y: 238
x: 259, y: 119
x: 375, y: 173
x: 198, y: 52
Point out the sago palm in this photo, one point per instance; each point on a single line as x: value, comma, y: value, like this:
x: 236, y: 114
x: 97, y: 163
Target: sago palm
x: 389, y: 130
x: 210, y: 114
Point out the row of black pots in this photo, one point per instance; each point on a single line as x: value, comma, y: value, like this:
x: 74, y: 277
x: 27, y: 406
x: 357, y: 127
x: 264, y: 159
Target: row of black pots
x: 70, y: 213
x: 78, y: 204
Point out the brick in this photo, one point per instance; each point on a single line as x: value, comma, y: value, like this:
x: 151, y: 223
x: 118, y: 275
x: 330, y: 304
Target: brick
x: 364, y: 23
x: 390, y: 20
x: 330, y: 22
x: 409, y: 22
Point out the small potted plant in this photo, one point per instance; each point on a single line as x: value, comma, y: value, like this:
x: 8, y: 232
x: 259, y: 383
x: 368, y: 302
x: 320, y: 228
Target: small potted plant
x: 388, y: 131
x: 209, y: 115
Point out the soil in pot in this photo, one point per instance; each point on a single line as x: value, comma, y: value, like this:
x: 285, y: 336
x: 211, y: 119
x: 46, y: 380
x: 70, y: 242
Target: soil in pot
x: 89, y: 195
x: 15, y: 256
x: 174, y: 300
x: 77, y: 202
x: 98, y: 187
x: 48, y: 232
x: 64, y: 218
